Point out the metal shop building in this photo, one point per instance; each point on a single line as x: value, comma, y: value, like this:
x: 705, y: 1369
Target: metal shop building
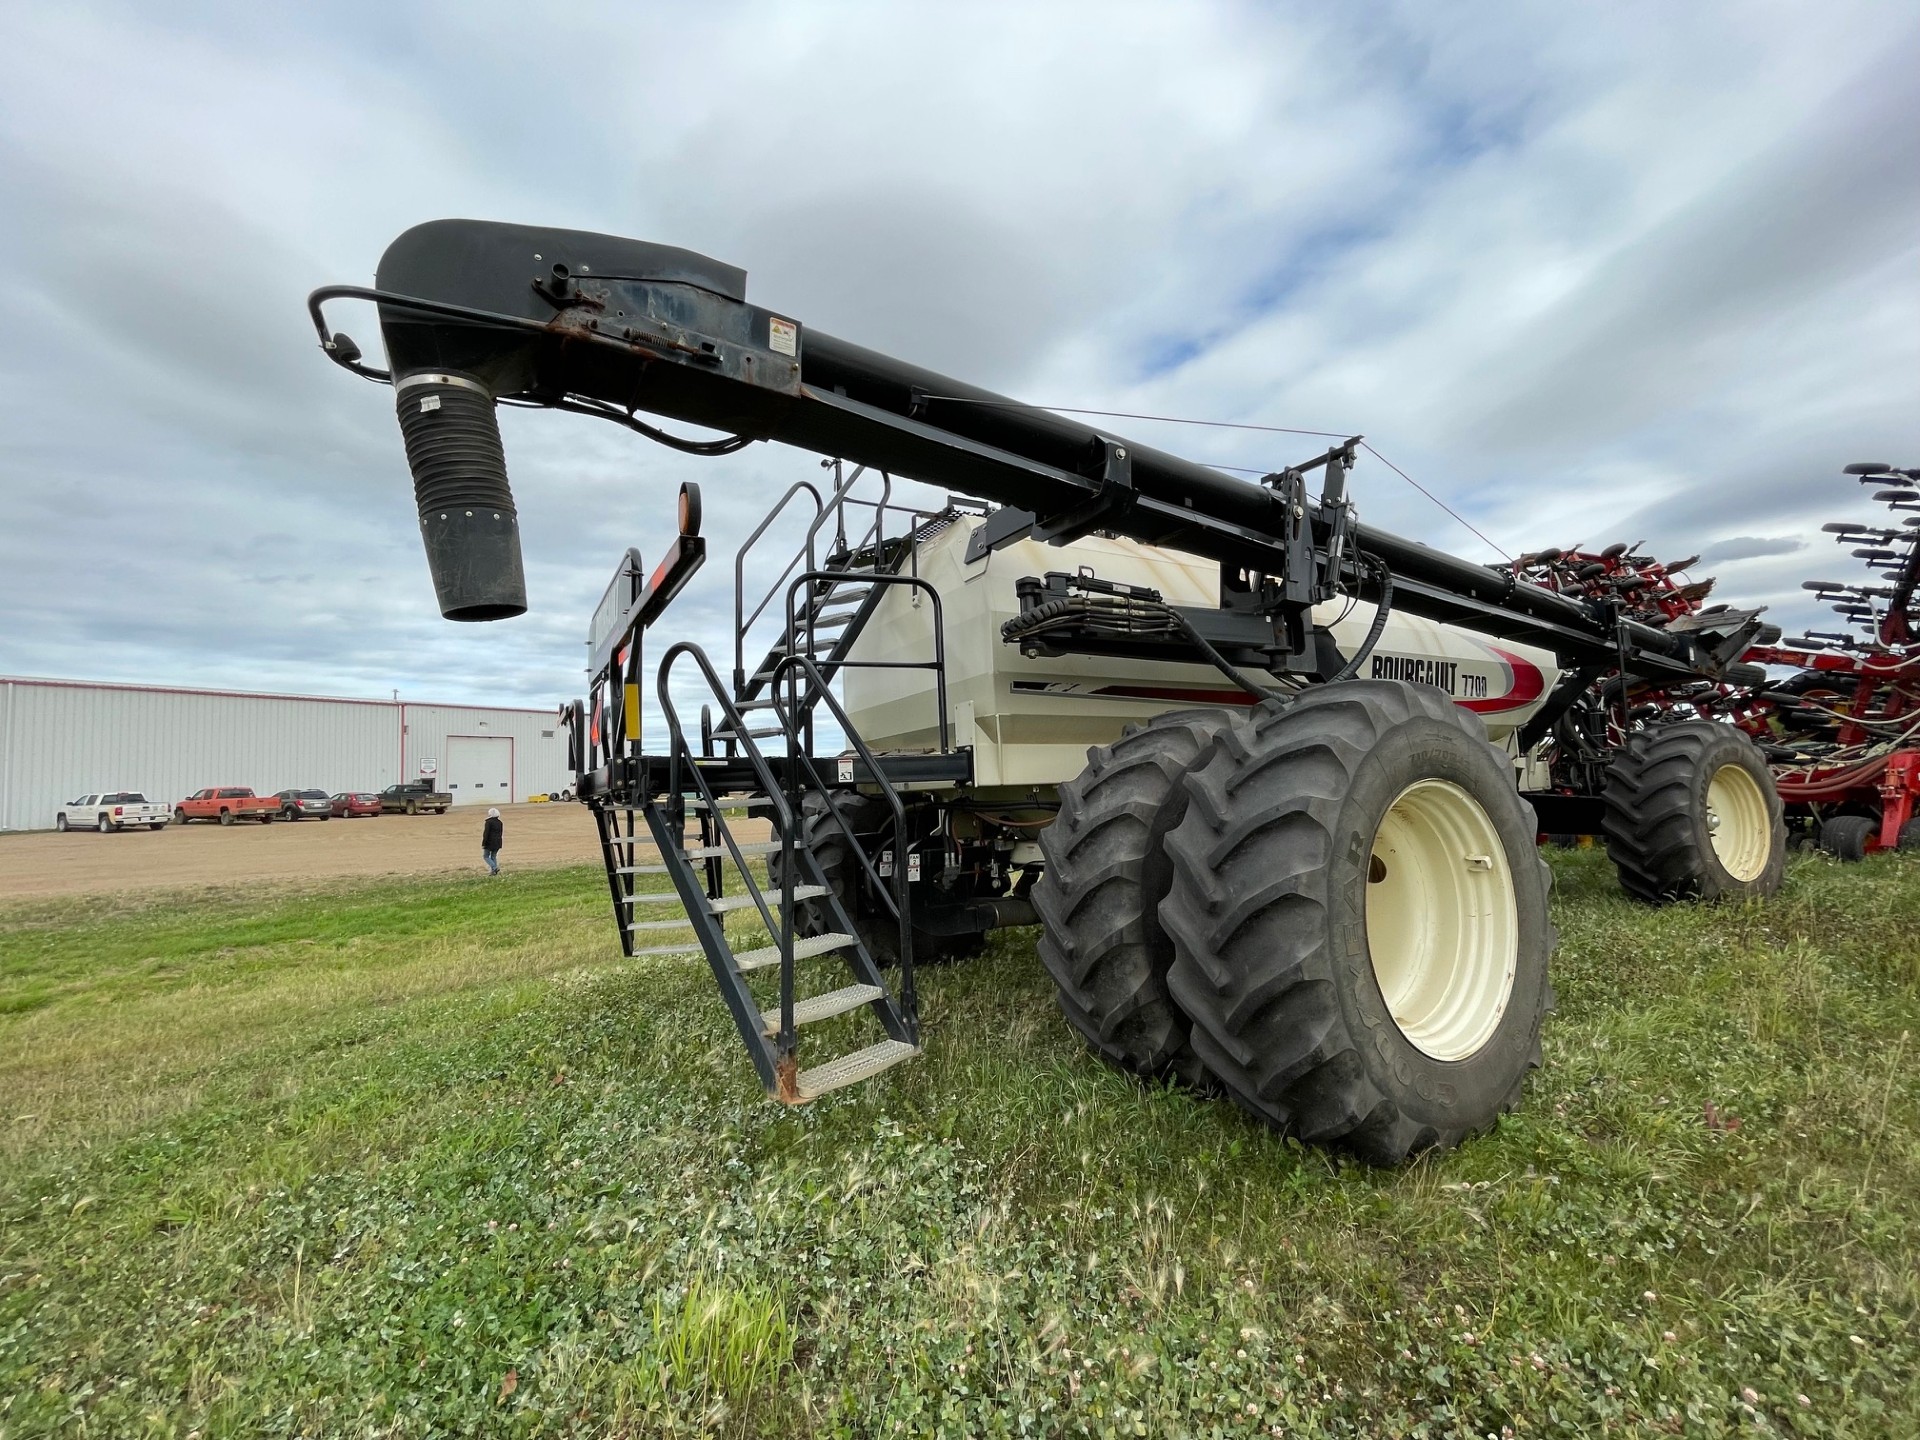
x: 60, y: 739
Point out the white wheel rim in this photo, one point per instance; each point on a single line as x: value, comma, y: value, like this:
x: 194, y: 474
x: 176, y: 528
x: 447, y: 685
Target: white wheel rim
x: 1443, y: 925
x: 1737, y: 822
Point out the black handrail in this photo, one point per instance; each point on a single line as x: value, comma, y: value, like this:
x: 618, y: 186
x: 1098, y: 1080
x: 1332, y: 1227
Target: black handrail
x: 741, y: 620
x: 900, y: 901
x: 842, y: 497
x: 783, y: 932
x: 938, y: 664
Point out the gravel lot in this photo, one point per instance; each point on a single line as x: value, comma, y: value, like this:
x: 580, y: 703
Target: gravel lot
x: 84, y: 862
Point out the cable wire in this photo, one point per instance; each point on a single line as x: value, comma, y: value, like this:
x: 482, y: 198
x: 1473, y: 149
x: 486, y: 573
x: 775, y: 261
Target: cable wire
x: 1240, y: 425
x: 1134, y: 415
x: 1435, y: 498
x: 726, y: 446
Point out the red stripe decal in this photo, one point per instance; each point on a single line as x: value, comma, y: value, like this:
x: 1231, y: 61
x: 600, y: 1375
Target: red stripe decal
x: 1528, y: 686
x: 1172, y: 692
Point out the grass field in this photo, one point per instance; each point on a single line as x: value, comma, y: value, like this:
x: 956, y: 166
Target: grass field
x: 421, y: 1158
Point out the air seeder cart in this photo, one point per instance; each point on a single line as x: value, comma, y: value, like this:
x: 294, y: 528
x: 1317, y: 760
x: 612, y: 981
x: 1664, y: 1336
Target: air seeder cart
x: 1256, y: 768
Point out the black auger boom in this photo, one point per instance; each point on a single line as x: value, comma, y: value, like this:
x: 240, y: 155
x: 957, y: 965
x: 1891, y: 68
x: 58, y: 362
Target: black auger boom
x: 475, y: 312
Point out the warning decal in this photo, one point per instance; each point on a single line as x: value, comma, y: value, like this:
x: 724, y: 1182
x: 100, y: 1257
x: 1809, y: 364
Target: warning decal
x: 783, y: 336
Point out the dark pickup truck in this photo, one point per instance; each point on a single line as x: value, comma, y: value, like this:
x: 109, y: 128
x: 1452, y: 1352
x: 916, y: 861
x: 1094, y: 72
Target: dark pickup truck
x: 413, y: 798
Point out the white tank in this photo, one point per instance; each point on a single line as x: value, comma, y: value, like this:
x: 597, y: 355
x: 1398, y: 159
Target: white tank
x: 1030, y: 721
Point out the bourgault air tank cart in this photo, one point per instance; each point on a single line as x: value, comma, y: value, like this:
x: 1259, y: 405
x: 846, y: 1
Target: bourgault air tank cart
x: 1256, y: 768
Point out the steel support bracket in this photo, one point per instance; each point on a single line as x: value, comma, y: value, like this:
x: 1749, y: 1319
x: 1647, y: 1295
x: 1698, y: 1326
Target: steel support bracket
x: 1106, y: 508
x: 1001, y: 528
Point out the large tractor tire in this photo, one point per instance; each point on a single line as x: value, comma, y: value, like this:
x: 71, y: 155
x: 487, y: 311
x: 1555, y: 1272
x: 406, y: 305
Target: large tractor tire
x: 1099, y: 896
x: 1692, y: 813
x: 865, y: 815
x: 1359, y: 920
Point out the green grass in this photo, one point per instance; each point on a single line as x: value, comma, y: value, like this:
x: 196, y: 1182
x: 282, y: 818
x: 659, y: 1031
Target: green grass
x: 423, y: 1158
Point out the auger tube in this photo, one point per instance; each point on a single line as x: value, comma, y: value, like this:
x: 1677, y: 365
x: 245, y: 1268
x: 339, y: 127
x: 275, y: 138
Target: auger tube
x: 579, y: 320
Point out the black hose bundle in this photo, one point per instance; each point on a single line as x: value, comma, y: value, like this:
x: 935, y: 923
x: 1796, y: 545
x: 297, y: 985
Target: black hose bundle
x: 1132, y: 616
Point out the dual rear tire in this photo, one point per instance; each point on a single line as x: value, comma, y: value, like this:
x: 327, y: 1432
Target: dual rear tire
x: 1334, y: 908
x: 1347, y: 931
x: 1099, y: 894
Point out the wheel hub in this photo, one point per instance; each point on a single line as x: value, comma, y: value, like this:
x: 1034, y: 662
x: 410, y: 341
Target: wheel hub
x: 1737, y: 822
x: 1443, y: 928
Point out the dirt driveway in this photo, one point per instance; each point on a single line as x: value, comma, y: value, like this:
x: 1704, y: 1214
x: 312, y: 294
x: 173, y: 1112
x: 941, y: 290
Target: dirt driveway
x: 43, y: 863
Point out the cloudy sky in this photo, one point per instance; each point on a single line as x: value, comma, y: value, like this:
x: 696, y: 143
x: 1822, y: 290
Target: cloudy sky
x: 1634, y: 271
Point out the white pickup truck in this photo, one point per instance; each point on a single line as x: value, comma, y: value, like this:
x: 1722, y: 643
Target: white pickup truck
x: 112, y: 810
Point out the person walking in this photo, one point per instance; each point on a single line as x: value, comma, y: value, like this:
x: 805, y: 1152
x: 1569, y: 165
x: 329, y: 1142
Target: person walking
x: 490, y: 837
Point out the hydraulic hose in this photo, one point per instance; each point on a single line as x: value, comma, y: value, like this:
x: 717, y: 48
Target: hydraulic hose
x: 1384, y: 574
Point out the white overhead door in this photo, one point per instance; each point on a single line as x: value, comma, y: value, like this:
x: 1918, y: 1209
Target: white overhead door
x: 479, y: 769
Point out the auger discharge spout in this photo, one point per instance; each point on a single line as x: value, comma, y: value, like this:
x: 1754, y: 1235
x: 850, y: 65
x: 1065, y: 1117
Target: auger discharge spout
x: 467, y: 520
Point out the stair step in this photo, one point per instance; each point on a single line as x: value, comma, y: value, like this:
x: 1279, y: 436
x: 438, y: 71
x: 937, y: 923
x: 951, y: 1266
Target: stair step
x: 750, y: 733
x: 752, y: 847
x: 688, y: 949
x: 821, y: 1007
x: 640, y: 870
x: 802, y: 950
x: 850, y: 1069
x: 650, y: 897
x: 680, y: 924
x: 739, y: 802
x: 765, y: 703
x: 743, y: 902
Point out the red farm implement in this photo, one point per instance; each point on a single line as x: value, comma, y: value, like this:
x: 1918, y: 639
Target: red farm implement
x: 1852, y: 706
x: 1842, y: 731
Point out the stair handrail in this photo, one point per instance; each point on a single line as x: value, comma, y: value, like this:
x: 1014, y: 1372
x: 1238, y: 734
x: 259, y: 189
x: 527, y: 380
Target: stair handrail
x: 831, y: 507
x: 742, y: 622
x: 841, y: 498
x: 803, y: 715
x: 900, y: 900
x: 772, y: 789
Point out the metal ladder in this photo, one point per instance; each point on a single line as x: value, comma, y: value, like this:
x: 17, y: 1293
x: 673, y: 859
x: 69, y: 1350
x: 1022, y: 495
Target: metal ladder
x: 714, y: 877
x: 842, y: 569
x: 675, y: 814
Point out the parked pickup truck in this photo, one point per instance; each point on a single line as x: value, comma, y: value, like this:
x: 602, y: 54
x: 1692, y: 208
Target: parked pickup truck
x: 226, y: 803
x: 105, y: 810
x: 414, y: 797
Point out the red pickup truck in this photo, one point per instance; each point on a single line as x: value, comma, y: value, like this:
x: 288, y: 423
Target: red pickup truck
x: 226, y: 803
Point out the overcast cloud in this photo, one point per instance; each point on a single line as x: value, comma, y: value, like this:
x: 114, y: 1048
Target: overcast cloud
x: 1642, y: 272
